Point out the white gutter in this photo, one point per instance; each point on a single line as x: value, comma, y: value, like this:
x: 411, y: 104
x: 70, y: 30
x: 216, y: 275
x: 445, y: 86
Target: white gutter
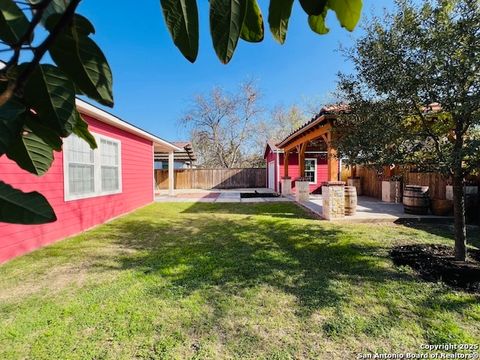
x: 107, y: 118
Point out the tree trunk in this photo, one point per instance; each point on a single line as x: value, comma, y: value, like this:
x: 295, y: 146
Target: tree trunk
x: 459, y: 214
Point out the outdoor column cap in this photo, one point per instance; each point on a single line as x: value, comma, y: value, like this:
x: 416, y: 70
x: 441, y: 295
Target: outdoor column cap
x: 286, y: 178
x: 333, y: 183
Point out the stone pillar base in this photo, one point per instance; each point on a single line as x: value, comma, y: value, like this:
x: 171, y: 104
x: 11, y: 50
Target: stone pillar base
x: 392, y: 191
x: 303, y: 190
x: 333, y: 194
x: 286, y: 186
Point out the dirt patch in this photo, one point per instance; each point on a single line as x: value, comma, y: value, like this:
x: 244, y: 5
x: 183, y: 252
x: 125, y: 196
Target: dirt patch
x: 437, y: 263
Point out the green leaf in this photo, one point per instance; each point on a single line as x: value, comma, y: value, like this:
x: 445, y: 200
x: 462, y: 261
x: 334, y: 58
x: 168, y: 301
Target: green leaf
x: 81, y: 23
x: 81, y: 130
x: 45, y: 133
x: 17, y: 207
x: 55, y: 7
x: 181, y: 17
x: 279, y: 13
x: 317, y: 23
x: 12, y: 116
x: 252, y: 28
x: 51, y: 94
x: 82, y: 60
x: 313, y: 7
x: 31, y: 153
x: 226, y: 20
x: 348, y: 12
x: 13, y: 22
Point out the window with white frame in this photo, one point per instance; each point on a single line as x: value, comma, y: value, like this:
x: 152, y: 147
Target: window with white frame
x: 311, y: 170
x: 90, y: 173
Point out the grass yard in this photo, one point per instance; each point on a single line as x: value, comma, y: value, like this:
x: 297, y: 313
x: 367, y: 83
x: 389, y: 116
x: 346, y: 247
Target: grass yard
x: 213, y: 281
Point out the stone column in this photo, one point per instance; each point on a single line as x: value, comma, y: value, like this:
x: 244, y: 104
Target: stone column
x: 286, y: 186
x: 392, y: 191
x: 303, y: 190
x: 333, y: 194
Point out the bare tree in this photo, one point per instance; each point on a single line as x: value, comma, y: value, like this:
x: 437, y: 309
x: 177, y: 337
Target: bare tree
x: 223, y: 126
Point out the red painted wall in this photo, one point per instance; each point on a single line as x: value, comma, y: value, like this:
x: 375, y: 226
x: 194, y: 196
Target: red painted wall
x: 78, y: 215
x: 294, y: 169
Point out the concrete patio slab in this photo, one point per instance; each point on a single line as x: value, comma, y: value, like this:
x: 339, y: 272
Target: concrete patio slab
x: 370, y: 210
x: 220, y: 196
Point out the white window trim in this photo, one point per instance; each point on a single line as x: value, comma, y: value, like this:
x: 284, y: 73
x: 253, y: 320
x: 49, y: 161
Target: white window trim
x: 97, y: 171
x: 315, y: 175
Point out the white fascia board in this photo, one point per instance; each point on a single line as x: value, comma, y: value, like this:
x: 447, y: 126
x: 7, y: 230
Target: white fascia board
x: 107, y: 118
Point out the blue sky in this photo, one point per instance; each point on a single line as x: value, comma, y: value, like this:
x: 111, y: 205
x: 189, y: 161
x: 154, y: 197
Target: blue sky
x: 154, y: 84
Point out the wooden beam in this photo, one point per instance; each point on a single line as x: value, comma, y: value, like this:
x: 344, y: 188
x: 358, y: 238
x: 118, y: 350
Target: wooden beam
x: 307, y: 137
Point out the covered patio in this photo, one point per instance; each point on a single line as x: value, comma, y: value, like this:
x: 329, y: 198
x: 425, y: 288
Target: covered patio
x: 317, y: 133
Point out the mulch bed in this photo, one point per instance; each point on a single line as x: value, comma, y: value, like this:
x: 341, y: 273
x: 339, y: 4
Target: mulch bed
x: 437, y: 263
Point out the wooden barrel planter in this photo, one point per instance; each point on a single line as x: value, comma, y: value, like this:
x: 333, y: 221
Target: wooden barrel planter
x: 350, y: 200
x: 441, y: 207
x: 416, y: 200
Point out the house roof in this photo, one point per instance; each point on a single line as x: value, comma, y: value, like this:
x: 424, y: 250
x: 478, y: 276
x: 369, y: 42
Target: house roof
x: 322, y: 116
x: 271, y: 145
x: 107, y: 118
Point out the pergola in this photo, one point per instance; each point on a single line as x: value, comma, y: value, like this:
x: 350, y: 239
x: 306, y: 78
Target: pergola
x: 318, y: 128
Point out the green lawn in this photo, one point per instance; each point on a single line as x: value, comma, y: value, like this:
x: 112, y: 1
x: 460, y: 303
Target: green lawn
x: 213, y: 281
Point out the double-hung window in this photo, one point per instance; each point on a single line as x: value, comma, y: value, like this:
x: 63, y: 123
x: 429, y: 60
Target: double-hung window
x: 90, y: 173
x: 311, y: 170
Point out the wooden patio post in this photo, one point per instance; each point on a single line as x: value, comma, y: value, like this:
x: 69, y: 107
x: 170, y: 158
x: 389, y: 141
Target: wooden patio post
x: 285, y: 163
x: 171, y: 174
x: 332, y: 160
x: 301, y: 158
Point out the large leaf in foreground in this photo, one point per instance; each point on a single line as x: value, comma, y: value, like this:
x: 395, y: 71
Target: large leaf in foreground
x: 226, y: 20
x: 279, y: 13
x: 52, y: 95
x: 348, y: 12
x: 45, y: 133
x: 83, y: 61
x: 81, y: 130
x: 13, y: 22
x: 11, y: 122
x: 31, y: 153
x: 18, y: 207
x: 317, y: 23
x: 252, y: 28
x: 313, y: 7
x: 181, y: 17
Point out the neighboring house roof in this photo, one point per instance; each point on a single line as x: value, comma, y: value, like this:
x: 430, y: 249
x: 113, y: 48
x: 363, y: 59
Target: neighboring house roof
x: 107, y: 118
x: 185, y: 154
x: 271, y: 145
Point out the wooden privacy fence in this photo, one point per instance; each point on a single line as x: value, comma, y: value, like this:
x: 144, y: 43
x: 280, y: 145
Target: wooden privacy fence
x: 213, y: 178
x: 372, y: 181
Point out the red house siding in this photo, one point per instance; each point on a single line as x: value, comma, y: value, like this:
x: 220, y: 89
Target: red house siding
x: 294, y: 169
x: 78, y: 215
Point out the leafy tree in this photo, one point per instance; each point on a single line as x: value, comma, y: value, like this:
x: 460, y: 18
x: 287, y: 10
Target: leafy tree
x: 224, y: 125
x: 281, y: 123
x: 37, y: 100
x: 415, y: 95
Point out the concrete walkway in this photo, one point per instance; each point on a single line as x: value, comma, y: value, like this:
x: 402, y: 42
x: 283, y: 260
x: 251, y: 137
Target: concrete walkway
x: 371, y: 210
x: 216, y: 196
